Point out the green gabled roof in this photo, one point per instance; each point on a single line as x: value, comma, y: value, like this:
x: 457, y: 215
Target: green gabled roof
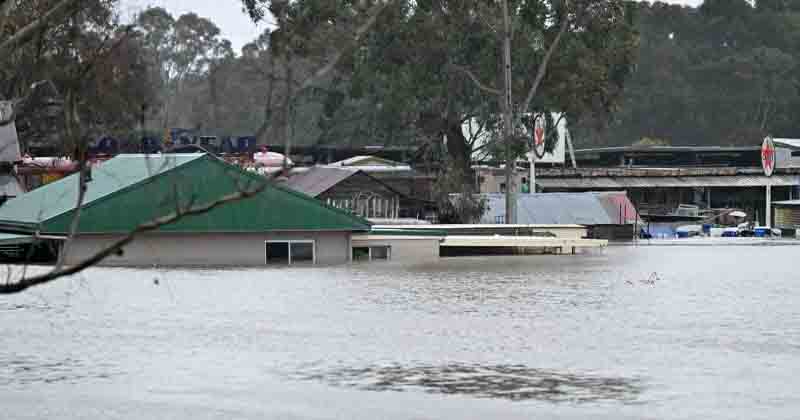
x: 132, y: 189
x: 109, y: 177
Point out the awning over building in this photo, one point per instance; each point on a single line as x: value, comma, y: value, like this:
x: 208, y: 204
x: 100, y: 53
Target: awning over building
x: 788, y: 143
x: 621, y: 183
x: 13, y: 239
x: 787, y: 203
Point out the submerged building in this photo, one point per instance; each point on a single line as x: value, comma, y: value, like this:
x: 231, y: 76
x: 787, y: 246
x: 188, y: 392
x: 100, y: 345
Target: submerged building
x: 661, y: 180
x: 275, y: 226
x: 605, y: 215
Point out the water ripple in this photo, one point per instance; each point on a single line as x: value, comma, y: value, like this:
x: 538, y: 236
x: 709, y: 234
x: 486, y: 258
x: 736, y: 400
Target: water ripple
x: 27, y: 371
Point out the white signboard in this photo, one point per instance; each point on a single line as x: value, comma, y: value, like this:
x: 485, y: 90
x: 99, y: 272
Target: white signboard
x: 471, y: 129
x: 559, y: 151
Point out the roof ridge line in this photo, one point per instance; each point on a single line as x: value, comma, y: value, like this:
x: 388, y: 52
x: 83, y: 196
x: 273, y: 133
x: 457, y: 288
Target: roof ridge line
x: 127, y: 188
x: 352, y: 217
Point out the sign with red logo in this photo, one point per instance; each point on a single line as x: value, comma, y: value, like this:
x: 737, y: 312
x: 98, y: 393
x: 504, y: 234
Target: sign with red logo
x: 768, y: 156
x: 539, y: 136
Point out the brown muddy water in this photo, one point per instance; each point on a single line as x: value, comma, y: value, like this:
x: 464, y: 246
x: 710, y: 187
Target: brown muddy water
x: 627, y: 333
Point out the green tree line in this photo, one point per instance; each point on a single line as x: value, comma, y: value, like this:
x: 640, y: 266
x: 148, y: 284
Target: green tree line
x: 724, y: 73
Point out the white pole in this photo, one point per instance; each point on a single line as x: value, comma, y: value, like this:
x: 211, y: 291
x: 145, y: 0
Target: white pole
x: 511, y: 214
x: 532, y: 181
x: 768, y: 220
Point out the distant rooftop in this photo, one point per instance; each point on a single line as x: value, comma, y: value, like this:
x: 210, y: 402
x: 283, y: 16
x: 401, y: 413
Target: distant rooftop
x: 670, y: 156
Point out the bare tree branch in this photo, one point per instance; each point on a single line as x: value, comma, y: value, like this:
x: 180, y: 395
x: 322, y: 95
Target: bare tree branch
x: 474, y: 78
x: 372, y: 17
x: 179, y: 213
x: 545, y: 62
x: 72, y: 123
x: 27, y: 33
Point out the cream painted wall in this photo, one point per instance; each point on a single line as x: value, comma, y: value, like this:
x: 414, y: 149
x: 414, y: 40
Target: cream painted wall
x: 404, y: 249
x: 167, y: 249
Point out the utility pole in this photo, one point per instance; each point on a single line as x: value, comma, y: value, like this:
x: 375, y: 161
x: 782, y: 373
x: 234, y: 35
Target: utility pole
x: 508, y: 119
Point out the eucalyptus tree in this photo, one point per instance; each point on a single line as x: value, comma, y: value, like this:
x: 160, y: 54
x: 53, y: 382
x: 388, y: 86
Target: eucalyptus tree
x: 443, y: 60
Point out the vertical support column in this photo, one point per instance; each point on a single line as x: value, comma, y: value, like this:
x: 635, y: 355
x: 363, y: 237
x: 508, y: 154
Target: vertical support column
x: 508, y: 119
x: 708, y: 196
x: 768, y: 219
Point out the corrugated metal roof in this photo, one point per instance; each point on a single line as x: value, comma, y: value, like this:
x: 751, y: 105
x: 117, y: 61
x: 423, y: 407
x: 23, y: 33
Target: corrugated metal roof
x: 791, y: 143
x: 620, y: 183
x: 132, y: 189
x: 668, y: 149
x: 565, y: 208
x: 109, y: 177
x: 318, y: 179
x: 366, y: 160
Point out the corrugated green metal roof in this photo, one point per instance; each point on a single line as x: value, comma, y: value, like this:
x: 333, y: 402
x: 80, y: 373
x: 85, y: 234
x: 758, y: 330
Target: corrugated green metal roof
x: 109, y: 177
x: 132, y: 189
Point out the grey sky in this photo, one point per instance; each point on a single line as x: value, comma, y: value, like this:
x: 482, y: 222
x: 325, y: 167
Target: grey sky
x: 228, y: 15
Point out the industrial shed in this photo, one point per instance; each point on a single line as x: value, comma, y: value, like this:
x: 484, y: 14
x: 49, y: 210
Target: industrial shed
x: 277, y: 226
x: 606, y: 215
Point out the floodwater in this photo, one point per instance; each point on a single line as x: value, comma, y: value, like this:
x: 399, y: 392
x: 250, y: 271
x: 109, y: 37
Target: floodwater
x: 627, y: 333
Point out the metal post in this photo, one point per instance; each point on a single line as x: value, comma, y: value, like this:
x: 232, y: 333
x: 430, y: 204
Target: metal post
x: 568, y: 138
x: 532, y: 182
x: 768, y: 219
x: 508, y: 118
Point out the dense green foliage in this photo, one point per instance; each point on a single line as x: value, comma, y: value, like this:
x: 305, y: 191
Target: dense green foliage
x: 722, y: 74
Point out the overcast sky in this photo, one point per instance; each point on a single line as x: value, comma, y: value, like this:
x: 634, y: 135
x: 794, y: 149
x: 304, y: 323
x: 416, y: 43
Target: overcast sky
x: 228, y: 15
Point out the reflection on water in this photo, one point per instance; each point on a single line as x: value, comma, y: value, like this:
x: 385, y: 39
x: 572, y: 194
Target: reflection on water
x: 510, y: 382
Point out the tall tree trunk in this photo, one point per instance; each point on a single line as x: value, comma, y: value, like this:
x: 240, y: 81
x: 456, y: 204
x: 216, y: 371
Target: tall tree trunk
x: 287, y: 115
x: 263, y: 130
x: 459, y: 152
x: 212, y: 81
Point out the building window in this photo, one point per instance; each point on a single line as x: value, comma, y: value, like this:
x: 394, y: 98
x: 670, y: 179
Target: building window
x: 289, y: 252
x: 372, y: 253
x: 361, y: 253
x: 380, y: 252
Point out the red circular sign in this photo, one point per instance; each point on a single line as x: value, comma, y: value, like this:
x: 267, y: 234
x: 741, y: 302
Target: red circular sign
x: 538, y: 136
x: 768, y: 156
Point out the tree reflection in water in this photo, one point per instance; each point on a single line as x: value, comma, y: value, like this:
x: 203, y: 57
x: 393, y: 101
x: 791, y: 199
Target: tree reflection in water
x: 510, y: 382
